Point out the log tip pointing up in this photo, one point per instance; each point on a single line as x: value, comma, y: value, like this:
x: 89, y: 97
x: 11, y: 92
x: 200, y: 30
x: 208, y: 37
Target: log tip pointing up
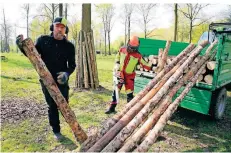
x: 204, y: 43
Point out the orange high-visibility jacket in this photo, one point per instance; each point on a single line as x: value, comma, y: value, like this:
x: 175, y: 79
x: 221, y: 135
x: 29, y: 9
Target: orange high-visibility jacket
x: 129, y: 61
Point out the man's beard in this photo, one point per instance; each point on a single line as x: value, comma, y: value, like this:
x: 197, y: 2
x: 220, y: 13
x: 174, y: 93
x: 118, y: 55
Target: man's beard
x: 59, y: 36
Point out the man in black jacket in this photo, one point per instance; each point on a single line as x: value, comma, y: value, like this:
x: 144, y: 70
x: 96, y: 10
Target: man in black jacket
x: 59, y: 56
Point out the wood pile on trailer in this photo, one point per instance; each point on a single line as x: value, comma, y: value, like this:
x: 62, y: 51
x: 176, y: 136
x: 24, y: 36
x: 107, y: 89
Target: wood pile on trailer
x: 162, y: 59
x: 139, y: 124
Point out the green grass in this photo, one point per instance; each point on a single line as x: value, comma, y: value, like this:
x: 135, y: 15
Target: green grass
x: 20, y: 80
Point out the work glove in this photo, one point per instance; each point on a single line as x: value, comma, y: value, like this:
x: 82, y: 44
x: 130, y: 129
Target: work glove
x: 62, y: 77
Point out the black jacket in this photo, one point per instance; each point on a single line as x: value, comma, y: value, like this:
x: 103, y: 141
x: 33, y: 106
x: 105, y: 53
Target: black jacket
x: 58, y: 55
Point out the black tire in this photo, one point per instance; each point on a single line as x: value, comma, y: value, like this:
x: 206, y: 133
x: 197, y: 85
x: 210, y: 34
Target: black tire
x: 219, y: 102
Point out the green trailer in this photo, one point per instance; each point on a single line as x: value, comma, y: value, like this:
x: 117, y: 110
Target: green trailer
x: 209, y: 99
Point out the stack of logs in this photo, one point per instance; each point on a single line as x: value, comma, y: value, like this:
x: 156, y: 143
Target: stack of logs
x: 87, y: 76
x: 139, y: 124
x: 158, y: 63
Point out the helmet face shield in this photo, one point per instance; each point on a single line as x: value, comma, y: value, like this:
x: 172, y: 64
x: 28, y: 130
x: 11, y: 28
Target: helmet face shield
x: 133, y: 43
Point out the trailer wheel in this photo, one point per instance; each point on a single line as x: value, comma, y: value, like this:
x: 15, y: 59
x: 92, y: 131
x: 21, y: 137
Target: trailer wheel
x: 219, y: 101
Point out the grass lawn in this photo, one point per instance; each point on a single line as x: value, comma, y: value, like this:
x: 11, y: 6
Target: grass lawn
x: 186, y: 131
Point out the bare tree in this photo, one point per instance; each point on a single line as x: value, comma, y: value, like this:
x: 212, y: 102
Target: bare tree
x: 66, y: 6
x: 26, y: 8
x: 60, y: 9
x: 110, y: 14
x: 74, y: 29
x: 50, y: 10
x: 6, y: 31
x: 145, y: 10
x: 176, y: 21
x: 126, y: 17
x: 101, y: 9
x: 191, y: 12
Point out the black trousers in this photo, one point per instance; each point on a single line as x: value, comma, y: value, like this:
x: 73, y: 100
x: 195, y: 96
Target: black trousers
x: 53, y: 113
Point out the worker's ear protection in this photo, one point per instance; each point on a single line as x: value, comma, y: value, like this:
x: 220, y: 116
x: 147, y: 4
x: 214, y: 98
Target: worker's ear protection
x: 52, y: 28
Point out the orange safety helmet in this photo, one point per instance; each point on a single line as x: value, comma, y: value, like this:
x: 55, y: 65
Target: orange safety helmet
x: 134, y: 43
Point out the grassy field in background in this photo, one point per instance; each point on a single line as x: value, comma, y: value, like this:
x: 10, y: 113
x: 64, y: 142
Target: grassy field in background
x: 186, y: 131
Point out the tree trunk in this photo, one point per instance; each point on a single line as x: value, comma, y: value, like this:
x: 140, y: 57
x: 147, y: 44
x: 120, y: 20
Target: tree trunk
x: 66, y: 5
x: 190, y: 32
x: 112, y: 121
x: 129, y: 27
x: 105, y: 45
x: 176, y: 22
x: 52, y: 88
x: 60, y: 9
x: 109, y: 49
x: 143, y: 109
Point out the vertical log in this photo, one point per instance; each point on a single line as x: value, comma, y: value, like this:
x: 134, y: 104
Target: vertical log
x: 87, y: 42
x: 164, y: 56
x: 160, y: 60
x: 81, y: 60
x: 86, y: 85
x: 94, y: 55
x: 53, y: 89
x: 92, y: 61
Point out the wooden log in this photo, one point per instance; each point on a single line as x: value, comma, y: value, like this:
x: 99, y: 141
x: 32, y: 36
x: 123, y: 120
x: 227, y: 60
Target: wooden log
x: 88, y: 43
x: 152, y: 136
x: 150, y: 57
x: 169, y: 60
x: 112, y: 121
x: 141, y: 69
x: 143, y: 110
x: 154, y: 61
x: 204, y: 71
x: 208, y: 79
x: 160, y: 60
x: 154, y: 68
x: 200, y: 78
x: 154, y: 133
x: 164, y: 56
x: 81, y: 61
x: 211, y: 65
x: 53, y: 89
x: 96, y: 79
x: 146, y: 59
x: 86, y: 80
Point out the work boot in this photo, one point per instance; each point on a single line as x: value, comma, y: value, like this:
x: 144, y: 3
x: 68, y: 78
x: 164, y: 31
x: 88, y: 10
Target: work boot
x: 111, y: 109
x: 58, y: 136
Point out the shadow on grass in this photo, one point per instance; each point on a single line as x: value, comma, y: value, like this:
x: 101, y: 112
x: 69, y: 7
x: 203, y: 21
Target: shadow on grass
x: 211, y: 134
x: 19, y: 79
x: 68, y: 143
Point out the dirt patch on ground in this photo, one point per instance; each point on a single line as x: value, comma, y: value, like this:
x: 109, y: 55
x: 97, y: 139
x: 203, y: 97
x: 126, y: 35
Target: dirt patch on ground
x: 16, y: 109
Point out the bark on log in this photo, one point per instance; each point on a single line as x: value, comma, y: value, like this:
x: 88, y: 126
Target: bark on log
x: 88, y: 43
x: 163, y: 120
x: 94, y: 55
x: 200, y: 78
x: 154, y: 133
x: 154, y: 61
x: 143, y: 110
x: 81, y: 61
x: 160, y: 60
x: 53, y: 89
x: 208, y: 79
x: 204, y: 71
x: 164, y: 56
x: 86, y: 80
x: 112, y: 121
x: 211, y: 65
